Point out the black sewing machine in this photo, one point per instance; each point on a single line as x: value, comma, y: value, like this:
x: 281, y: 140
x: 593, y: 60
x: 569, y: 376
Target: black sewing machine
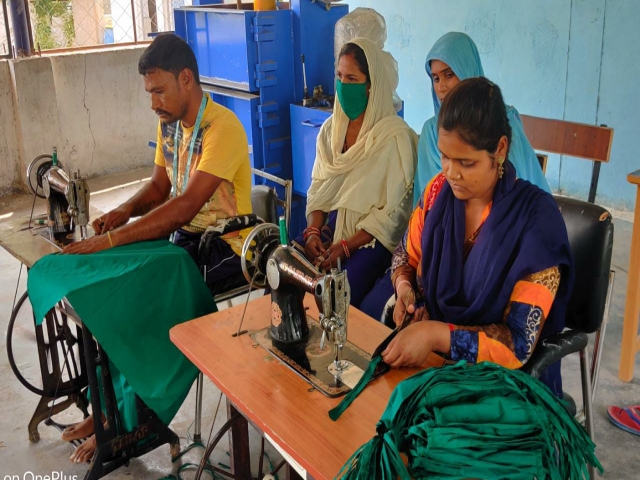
x: 294, y: 337
x: 67, y: 199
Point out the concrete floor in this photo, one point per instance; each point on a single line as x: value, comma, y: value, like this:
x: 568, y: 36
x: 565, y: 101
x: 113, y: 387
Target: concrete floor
x: 618, y: 451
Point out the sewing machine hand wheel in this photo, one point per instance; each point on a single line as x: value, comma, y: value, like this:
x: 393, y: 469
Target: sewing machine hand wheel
x: 36, y: 170
x: 257, y: 246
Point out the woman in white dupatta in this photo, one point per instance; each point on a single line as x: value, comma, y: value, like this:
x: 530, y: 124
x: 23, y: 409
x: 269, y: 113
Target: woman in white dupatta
x: 361, y: 191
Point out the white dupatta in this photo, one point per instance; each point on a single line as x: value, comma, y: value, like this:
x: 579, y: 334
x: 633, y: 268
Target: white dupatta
x: 371, y: 184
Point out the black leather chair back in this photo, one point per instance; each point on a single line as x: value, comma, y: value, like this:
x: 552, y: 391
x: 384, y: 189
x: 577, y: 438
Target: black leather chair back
x: 590, y: 230
x: 264, y: 203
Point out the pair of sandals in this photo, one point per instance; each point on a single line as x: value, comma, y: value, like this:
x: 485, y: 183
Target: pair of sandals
x: 626, y: 418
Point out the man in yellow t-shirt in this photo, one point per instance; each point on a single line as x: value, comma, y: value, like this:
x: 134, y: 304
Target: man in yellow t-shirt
x: 218, y: 183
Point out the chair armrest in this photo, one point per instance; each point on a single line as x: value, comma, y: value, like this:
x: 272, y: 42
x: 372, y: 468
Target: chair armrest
x: 552, y: 349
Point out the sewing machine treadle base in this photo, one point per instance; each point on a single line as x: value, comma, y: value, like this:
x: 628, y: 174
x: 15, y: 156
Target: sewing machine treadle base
x: 307, y: 360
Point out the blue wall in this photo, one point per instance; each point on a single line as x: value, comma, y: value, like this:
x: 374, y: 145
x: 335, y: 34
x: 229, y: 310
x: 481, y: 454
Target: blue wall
x: 576, y: 60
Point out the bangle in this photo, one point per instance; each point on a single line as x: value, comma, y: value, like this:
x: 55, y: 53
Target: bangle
x: 400, y: 283
x: 345, y: 247
x: 109, y: 237
x: 310, y: 231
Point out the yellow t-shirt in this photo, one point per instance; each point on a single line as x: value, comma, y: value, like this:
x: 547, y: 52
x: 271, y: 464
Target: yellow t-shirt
x: 220, y: 149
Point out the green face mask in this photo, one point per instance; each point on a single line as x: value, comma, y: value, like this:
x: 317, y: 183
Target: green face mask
x: 353, y: 98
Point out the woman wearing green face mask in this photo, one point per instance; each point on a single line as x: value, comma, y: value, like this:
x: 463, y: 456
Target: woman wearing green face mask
x: 361, y: 191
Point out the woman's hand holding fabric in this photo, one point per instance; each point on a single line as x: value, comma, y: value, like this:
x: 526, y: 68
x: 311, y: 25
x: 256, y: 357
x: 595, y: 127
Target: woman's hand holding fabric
x: 412, y: 345
x: 410, y: 348
x: 406, y: 306
x: 406, y: 298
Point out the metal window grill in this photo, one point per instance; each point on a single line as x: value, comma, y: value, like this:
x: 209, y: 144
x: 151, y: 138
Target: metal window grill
x: 63, y: 24
x: 5, y: 31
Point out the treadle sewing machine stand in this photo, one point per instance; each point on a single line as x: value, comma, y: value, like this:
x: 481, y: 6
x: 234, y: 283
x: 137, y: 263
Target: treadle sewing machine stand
x: 115, y: 447
x: 59, y: 338
x: 68, y: 201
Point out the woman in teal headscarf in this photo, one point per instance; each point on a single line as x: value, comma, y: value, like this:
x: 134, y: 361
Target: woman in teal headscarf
x: 453, y: 58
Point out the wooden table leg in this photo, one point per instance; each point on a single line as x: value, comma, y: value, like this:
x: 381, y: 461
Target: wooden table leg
x: 291, y: 474
x: 630, y: 341
x: 239, y: 445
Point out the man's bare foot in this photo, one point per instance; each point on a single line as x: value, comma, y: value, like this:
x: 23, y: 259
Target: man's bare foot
x: 80, y: 430
x: 84, y: 453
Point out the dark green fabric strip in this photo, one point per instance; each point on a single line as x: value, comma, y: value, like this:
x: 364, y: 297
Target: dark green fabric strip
x: 335, y: 413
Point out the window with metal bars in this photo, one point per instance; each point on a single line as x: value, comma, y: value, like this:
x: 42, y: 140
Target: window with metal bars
x: 76, y: 24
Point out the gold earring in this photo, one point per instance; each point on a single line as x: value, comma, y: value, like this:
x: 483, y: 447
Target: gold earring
x: 500, y: 167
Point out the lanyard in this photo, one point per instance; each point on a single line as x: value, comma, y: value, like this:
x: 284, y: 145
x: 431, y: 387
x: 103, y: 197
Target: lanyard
x: 176, y: 147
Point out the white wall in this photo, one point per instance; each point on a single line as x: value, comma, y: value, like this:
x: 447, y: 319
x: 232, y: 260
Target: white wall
x: 8, y: 141
x: 90, y: 105
x: 105, y: 114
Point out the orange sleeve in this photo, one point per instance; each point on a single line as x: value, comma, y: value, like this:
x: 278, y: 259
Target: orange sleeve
x: 511, y: 342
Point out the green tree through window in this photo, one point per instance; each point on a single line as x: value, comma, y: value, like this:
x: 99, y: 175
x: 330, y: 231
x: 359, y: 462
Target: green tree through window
x: 45, y: 11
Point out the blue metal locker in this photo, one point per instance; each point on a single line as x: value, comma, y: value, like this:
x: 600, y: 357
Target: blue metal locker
x: 246, y: 59
x: 250, y: 62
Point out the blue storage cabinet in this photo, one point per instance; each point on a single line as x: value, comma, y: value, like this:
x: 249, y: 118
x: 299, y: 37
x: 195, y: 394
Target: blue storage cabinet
x: 245, y: 59
x: 305, y: 125
x: 250, y: 62
x: 313, y: 29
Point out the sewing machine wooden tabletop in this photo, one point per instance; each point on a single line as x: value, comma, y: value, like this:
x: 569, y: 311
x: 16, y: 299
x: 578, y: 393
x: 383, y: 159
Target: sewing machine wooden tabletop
x: 16, y: 238
x: 275, y: 399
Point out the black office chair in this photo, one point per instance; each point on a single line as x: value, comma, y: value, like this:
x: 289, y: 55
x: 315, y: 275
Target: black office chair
x: 590, y: 230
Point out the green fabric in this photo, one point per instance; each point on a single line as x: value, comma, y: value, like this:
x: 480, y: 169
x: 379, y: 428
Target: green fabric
x: 129, y: 297
x: 125, y: 397
x: 366, y: 377
x: 474, y: 421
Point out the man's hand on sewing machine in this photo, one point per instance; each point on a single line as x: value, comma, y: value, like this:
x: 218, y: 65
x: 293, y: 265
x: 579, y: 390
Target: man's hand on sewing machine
x: 90, y: 245
x: 112, y: 220
x: 330, y: 257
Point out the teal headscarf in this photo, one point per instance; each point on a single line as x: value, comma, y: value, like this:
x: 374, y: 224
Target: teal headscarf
x: 459, y: 52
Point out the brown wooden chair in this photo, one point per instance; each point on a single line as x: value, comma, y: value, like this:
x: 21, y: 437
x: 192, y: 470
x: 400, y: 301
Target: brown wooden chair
x: 593, y: 143
x: 542, y: 159
x: 573, y: 139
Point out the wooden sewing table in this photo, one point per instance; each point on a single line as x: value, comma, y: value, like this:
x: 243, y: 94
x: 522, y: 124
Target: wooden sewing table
x: 279, y: 403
